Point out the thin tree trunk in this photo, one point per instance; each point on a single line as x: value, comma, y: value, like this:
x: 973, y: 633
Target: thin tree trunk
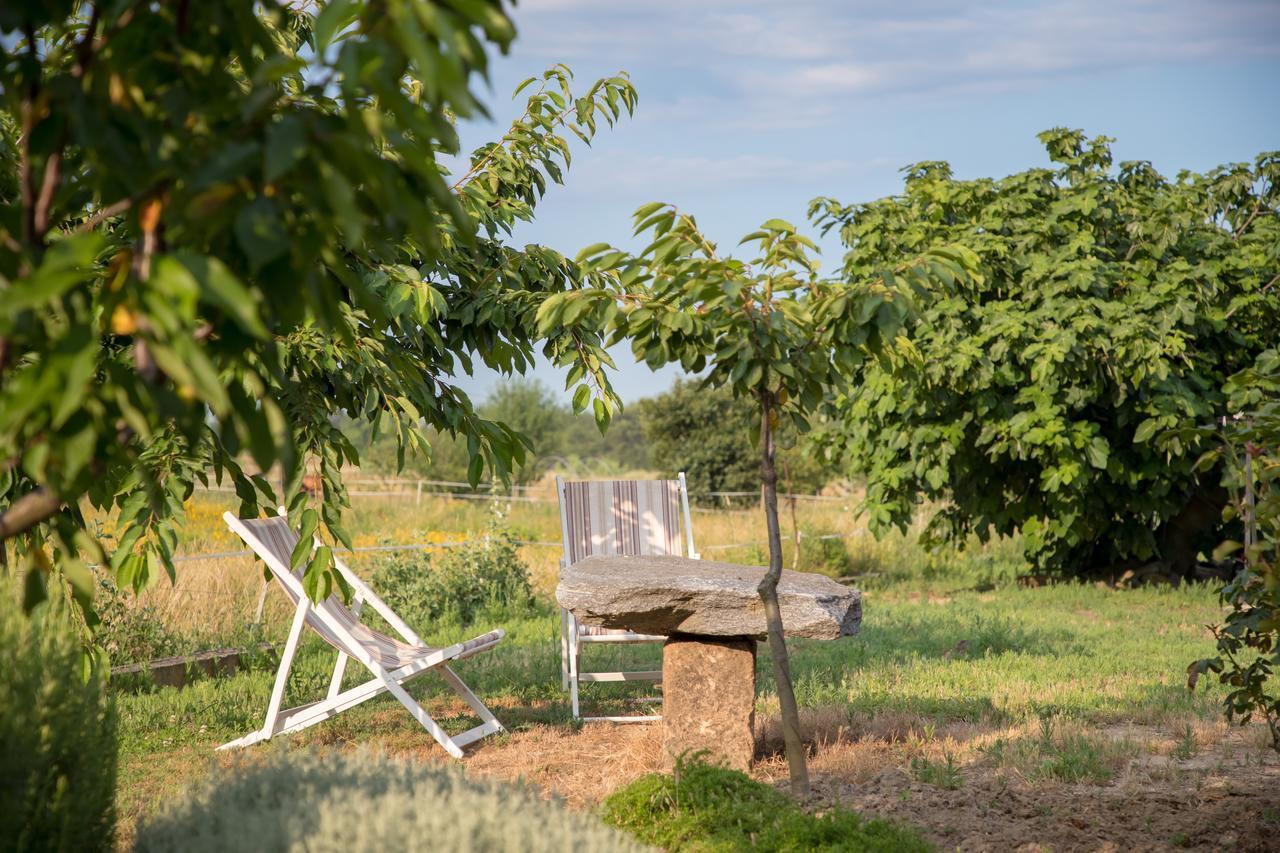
x: 768, y: 590
x: 795, y: 522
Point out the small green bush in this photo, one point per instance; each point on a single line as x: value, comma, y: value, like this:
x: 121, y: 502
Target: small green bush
x: 130, y: 632
x: 367, y: 804
x: 459, y: 583
x: 704, y: 808
x: 57, y: 735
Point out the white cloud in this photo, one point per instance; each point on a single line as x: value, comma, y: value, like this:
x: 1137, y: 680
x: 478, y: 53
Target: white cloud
x: 825, y: 48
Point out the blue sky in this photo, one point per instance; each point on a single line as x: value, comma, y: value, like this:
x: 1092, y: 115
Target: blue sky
x: 749, y: 109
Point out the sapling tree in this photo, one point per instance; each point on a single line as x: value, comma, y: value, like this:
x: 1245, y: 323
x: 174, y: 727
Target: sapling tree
x: 1246, y: 446
x: 222, y: 225
x: 771, y: 329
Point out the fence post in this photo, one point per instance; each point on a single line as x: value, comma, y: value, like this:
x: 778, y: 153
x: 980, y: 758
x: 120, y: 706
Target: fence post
x: 417, y: 501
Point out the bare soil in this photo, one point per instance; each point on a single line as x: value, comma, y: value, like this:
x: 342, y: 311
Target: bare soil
x: 1223, y: 795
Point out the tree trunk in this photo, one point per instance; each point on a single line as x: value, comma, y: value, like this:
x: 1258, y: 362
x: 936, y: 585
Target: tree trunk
x: 1179, y: 536
x: 795, y: 522
x: 768, y: 590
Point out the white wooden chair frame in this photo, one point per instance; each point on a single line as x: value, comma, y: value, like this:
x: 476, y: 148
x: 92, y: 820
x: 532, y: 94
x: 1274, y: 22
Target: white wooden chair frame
x: 280, y: 722
x: 572, y: 639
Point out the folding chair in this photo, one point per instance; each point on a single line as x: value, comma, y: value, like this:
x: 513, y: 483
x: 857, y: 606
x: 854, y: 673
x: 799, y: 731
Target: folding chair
x: 616, y: 517
x: 392, y: 661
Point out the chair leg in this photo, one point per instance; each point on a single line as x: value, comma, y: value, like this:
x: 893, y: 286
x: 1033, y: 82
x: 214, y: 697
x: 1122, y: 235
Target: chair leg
x: 460, y: 687
x: 418, y: 712
x: 575, y: 666
x: 335, y: 683
x: 282, y: 679
x: 564, y: 649
x: 286, y: 663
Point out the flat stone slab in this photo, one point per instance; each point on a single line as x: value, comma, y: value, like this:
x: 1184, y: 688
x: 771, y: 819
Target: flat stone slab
x: 669, y: 595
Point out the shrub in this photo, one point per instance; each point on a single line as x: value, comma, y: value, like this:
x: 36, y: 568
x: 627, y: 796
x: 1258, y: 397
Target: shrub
x: 458, y: 583
x: 130, y: 632
x: 57, y: 735
x: 1034, y: 394
x: 303, y: 801
x: 1248, y: 641
x: 706, y: 808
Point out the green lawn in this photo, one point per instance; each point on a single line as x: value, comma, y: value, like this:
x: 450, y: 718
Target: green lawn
x: 944, y: 640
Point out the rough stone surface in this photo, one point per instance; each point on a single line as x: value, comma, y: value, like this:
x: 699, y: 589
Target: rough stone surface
x: 667, y: 595
x: 709, y: 698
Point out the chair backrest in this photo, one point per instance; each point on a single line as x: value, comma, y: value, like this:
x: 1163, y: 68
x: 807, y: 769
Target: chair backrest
x: 273, y: 539
x: 623, y: 517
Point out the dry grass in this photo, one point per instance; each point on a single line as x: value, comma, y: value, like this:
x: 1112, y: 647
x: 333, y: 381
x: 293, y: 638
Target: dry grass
x: 220, y: 595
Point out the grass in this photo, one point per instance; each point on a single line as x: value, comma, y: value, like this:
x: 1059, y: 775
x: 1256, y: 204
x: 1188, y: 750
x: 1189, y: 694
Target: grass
x: 1067, y: 756
x: 704, y: 809
x: 948, y: 639
x: 942, y: 774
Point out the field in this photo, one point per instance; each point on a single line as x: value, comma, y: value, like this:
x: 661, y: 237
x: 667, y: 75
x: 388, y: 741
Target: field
x: 989, y: 714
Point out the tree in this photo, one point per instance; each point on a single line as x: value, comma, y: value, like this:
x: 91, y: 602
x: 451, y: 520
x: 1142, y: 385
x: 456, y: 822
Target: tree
x: 532, y: 410
x: 224, y: 224
x: 706, y: 433
x: 1112, y: 306
x: 771, y: 330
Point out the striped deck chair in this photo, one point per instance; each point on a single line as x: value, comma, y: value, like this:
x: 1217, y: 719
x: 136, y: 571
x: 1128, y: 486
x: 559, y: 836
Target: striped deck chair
x: 392, y: 661
x: 616, y: 517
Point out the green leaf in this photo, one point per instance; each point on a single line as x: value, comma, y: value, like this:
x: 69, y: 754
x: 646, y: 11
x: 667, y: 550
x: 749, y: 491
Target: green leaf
x: 1226, y: 549
x: 602, y: 414
x: 309, y: 522
x: 286, y: 147
x: 335, y: 16
x: 260, y: 233
x: 67, y: 263
x: 1145, y: 430
x: 220, y: 287
x: 1099, y: 451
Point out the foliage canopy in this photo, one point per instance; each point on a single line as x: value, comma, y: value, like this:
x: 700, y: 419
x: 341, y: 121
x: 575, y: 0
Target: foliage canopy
x: 1112, y: 305
x: 225, y: 223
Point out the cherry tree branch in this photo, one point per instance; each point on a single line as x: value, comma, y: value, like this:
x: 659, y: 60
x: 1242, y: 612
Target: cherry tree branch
x: 28, y: 511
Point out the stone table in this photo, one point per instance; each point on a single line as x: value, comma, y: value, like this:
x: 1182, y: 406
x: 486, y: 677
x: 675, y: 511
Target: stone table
x: 712, y: 616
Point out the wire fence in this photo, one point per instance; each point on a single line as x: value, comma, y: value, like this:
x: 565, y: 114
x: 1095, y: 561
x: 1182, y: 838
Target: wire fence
x: 453, y: 490
x: 426, y: 546
x: 417, y: 488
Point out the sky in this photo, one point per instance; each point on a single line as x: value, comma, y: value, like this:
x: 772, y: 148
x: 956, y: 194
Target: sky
x: 749, y: 109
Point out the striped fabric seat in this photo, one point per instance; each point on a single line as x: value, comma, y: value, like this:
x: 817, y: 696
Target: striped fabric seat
x: 621, y: 518
x: 390, y: 653
x: 616, y: 518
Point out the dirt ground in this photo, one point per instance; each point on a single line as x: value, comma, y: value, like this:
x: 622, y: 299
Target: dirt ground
x: 1224, y: 797
x: 1195, y: 808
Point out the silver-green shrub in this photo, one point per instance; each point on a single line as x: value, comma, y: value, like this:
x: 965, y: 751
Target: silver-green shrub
x: 364, y: 803
x: 57, y: 734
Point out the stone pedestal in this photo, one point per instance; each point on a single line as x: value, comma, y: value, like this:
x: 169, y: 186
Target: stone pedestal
x: 708, y: 698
